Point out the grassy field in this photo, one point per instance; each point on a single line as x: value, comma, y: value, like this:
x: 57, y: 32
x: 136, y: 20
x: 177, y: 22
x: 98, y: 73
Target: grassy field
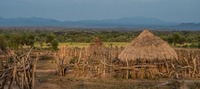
x: 80, y: 45
x: 107, y: 44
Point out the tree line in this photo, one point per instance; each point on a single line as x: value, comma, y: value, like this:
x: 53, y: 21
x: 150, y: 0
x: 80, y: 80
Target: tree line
x: 16, y: 39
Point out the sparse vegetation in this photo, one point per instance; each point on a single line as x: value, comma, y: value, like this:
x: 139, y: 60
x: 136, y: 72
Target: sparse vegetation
x: 38, y: 36
x: 79, y: 73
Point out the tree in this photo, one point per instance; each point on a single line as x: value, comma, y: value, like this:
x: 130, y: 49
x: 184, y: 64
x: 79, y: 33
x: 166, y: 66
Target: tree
x: 15, y: 41
x: 198, y: 38
x: 54, y: 44
x: 50, y: 37
x: 3, y: 43
x: 170, y: 40
x: 28, y: 39
x: 176, y: 38
x: 198, y: 41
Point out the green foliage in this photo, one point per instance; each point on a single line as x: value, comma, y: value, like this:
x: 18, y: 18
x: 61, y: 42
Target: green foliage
x: 54, y: 44
x: 3, y: 43
x: 30, y: 36
x: 15, y: 41
x: 28, y: 39
x: 198, y: 38
x: 50, y: 37
x: 178, y: 39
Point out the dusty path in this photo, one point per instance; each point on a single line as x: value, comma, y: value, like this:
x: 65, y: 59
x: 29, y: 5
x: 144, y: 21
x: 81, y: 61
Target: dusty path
x: 46, y: 85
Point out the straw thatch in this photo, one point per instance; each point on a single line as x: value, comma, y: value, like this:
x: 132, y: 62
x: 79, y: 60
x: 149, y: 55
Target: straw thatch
x: 97, y: 48
x: 147, y: 47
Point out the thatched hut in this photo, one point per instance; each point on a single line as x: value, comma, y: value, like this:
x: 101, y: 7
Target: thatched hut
x: 148, y: 51
x: 148, y: 47
x: 96, y: 50
x: 96, y: 54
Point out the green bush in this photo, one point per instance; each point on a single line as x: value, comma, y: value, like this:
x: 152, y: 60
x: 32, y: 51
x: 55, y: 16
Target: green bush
x: 3, y: 43
x: 54, y: 44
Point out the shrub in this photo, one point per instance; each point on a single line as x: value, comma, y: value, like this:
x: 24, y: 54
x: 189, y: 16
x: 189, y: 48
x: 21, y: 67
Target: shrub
x: 54, y: 44
x: 3, y: 43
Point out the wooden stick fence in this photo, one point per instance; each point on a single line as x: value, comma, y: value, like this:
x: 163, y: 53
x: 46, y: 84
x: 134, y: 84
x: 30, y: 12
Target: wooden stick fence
x: 188, y: 65
x: 19, y: 72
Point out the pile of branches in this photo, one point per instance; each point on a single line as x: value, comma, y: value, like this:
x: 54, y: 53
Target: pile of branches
x: 18, y: 70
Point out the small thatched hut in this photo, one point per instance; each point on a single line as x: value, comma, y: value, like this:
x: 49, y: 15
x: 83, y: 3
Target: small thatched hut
x: 97, y: 50
x: 148, y: 51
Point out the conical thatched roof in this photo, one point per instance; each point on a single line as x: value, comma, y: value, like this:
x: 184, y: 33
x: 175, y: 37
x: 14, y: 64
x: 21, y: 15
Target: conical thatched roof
x: 148, y: 47
x: 97, y: 48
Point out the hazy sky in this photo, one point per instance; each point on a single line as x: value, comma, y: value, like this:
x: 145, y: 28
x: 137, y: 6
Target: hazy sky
x: 169, y: 10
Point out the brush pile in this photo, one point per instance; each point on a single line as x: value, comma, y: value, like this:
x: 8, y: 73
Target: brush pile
x: 17, y: 70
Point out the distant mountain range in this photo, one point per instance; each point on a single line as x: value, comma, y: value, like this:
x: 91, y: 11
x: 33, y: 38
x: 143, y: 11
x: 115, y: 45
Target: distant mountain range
x: 122, y: 22
x: 128, y: 21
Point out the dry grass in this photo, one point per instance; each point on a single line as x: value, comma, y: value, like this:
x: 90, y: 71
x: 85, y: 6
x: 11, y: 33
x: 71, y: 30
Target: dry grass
x: 148, y: 47
x: 80, y: 45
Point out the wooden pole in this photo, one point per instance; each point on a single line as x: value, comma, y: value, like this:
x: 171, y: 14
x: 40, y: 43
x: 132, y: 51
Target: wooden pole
x: 13, y: 75
x: 80, y: 55
x: 110, y: 55
x: 1, y: 64
x: 22, y: 84
x: 33, y: 72
x: 127, y: 71
x: 194, y: 67
x: 11, y: 80
x: 25, y: 75
x: 104, y: 69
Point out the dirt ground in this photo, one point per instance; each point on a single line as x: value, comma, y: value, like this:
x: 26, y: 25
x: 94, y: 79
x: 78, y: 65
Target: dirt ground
x: 46, y: 78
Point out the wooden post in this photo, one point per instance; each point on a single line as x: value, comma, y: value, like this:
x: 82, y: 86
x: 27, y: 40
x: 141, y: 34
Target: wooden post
x: 33, y: 72
x: 198, y: 68
x: 25, y: 75
x: 194, y: 66
x: 9, y: 87
x: 80, y: 55
x: 14, y: 72
x: 1, y: 64
x: 75, y: 52
x: 104, y: 69
x: 22, y: 84
x: 167, y: 67
x: 110, y: 55
x: 127, y: 71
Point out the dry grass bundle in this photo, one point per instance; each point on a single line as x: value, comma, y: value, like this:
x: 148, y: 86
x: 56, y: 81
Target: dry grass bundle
x: 147, y: 47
